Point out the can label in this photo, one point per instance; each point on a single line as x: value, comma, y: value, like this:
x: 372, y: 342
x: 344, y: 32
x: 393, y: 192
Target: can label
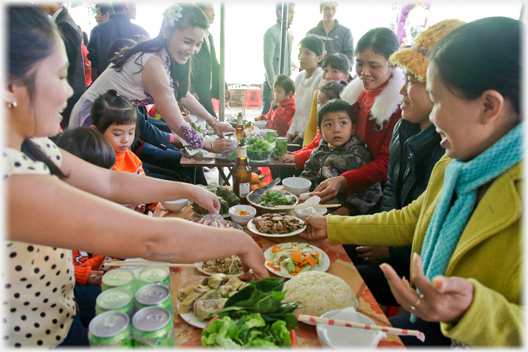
x: 244, y: 189
x: 154, y: 274
x: 281, y: 147
x: 110, y: 330
x: 119, y: 298
x: 153, y: 327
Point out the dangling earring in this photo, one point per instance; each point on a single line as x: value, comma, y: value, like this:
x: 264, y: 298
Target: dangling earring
x: 12, y: 105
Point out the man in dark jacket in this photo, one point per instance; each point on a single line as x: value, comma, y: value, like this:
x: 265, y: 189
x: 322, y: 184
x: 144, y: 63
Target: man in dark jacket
x: 72, y: 37
x: 336, y: 38
x: 104, y: 34
x: 103, y: 11
x: 206, y: 69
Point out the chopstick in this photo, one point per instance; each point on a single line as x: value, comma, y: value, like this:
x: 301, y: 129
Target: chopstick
x: 303, y: 206
x: 311, y: 319
x: 147, y: 263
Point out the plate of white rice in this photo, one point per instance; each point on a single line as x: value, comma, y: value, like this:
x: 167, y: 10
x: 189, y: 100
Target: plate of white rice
x: 319, y: 293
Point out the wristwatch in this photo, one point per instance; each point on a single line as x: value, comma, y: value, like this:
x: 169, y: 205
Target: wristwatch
x: 213, y: 123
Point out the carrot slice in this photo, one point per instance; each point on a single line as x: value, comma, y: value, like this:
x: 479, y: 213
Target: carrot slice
x: 311, y: 260
x: 270, y: 265
x: 279, y: 261
x: 277, y: 249
x: 294, y: 244
x: 297, y: 256
x: 293, y: 274
x: 297, y: 269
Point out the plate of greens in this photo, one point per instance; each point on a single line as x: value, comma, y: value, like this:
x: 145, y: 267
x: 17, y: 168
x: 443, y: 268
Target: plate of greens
x: 255, y: 317
x: 259, y: 150
x: 272, y: 198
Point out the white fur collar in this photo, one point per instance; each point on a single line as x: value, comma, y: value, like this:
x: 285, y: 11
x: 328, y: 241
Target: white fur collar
x: 385, y: 104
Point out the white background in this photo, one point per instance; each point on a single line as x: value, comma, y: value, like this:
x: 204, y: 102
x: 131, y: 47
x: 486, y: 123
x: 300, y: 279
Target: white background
x: 247, y: 21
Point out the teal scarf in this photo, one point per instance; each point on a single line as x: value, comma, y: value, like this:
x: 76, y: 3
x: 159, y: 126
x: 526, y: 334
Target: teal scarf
x: 464, y: 178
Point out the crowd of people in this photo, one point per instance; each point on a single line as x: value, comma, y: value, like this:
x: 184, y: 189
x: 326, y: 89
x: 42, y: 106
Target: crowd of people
x: 421, y: 146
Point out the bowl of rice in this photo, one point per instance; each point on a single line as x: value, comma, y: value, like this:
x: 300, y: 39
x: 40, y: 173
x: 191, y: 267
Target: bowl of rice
x: 319, y: 293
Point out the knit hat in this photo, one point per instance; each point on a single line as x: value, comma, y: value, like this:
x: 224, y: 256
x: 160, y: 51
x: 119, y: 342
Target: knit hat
x: 416, y: 59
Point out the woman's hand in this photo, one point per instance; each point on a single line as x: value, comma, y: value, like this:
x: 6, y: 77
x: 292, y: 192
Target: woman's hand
x: 204, y: 198
x: 289, y: 137
x: 288, y: 158
x: 374, y: 254
x: 315, y: 228
x: 222, y: 127
x: 218, y: 146
x: 95, y: 277
x: 252, y: 259
x: 328, y: 189
x: 444, y: 299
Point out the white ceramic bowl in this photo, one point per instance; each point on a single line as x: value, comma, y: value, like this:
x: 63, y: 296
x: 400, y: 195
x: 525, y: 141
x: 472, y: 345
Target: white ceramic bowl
x: 176, y: 205
x: 263, y: 131
x: 296, y: 185
x: 333, y: 336
x: 260, y: 124
x: 304, y: 213
x: 234, y: 212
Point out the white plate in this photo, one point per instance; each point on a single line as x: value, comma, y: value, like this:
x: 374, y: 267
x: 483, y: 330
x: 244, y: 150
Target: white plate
x: 343, y: 337
x: 323, y: 268
x: 202, y: 270
x: 192, y: 319
x: 253, y: 229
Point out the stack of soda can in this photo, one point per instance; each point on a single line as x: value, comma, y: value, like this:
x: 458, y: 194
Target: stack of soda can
x: 134, y: 312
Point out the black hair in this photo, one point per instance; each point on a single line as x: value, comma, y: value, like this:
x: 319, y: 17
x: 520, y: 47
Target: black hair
x: 121, y: 43
x: 32, y: 37
x: 333, y: 89
x: 482, y: 55
x: 110, y: 109
x: 118, y: 6
x: 335, y: 105
x: 313, y: 44
x: 337, y: 61
x: 285, y: 83
x: 278, y: 7
x: 89, y: 145
x: 192, y: 15
x: 322, y: 5
x: 382, y: 41
x: 105, y: 7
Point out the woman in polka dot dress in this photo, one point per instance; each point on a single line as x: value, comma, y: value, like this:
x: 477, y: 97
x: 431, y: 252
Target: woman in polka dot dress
x: 56, y: 200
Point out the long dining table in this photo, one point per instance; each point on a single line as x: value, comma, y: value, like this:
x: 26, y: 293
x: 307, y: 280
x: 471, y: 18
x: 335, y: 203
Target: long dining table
x: 188, y: 336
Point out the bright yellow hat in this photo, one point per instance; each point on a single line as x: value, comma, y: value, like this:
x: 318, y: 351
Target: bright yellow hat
x: 415, y: 59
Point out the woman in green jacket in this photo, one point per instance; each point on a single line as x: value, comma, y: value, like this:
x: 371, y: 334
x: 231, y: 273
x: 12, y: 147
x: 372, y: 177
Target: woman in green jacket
x: 465, y: 228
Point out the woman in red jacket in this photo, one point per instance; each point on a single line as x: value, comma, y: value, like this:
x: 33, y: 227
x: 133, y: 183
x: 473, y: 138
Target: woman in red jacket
x: 375, y: 98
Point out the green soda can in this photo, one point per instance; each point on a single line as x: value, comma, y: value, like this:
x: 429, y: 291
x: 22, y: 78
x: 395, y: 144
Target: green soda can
x: 119, y: 298
x: 281, y: 147
x: 110, y: 330
x: 155, y: 274
x: 271, y: 136
x: 119, y: 278
x: 152, y: 327
x: 154, y: 295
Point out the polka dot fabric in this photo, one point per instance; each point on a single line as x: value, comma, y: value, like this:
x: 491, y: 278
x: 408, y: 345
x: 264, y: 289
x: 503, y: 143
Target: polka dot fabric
x: 37, y: 281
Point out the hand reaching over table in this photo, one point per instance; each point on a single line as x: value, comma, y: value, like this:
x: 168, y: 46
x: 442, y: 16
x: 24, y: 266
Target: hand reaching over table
x: 222, y: 127
x: 204, y: 198
x: 328, y: 189
x: 315, y: 228
x: 445, y: 299
x: 374, y: 254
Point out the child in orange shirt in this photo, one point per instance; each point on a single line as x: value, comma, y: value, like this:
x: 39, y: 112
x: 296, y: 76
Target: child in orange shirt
x: 282, y: 109
x: 115, y: 118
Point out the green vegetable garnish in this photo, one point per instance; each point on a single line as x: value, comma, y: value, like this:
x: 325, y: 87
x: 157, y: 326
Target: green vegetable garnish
x: 271, y: 199
x: 256, y: 316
